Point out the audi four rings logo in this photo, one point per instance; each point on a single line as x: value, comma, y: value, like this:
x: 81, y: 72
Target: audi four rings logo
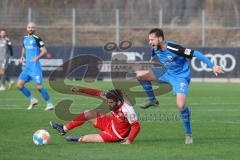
x: 226, y: 61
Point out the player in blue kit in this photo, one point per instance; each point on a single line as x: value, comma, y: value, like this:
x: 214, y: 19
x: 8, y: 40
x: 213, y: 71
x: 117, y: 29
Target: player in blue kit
x: 33, y: 49
x: 175, y: 59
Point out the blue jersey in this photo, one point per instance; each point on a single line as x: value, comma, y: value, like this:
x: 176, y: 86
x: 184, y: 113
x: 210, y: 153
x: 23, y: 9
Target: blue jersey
x: 176, y: 60
x: 32, y: 45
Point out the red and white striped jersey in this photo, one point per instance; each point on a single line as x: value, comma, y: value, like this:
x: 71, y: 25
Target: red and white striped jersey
x: 122, y: 119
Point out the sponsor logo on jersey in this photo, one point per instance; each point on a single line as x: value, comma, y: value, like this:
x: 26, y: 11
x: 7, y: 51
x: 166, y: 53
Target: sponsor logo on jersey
x: 187, y: 51
x: 29, y: 47
x: 182, y: 86
x: 41, y: 43
x: 170, y: 58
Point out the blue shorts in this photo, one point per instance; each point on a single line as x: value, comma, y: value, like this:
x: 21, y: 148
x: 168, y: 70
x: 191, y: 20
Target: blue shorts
x: 27, y: 76
x: 179, y: 85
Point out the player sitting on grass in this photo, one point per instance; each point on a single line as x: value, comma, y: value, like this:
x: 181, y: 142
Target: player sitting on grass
x: 121, y: 124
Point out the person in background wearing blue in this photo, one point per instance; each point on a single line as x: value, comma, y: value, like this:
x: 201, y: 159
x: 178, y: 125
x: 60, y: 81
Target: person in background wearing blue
x: 175, y: 60
x: 33, y: 49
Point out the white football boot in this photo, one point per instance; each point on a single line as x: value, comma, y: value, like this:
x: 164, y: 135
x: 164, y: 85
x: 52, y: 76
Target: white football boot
x: 188, y: 139
x: 49, y: 106
x: 33, y: 103
x: 10, y: 84
x: 2, y: 88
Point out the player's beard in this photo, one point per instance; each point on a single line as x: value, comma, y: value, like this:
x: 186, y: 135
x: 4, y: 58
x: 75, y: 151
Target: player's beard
x: 31, y: 32
x: 112, y: 108
x: 157, y: 47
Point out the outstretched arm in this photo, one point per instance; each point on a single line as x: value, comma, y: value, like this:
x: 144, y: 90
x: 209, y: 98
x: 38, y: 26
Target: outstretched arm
x: 89, y: 91
x: 189, y: 53
x: 216, y: 69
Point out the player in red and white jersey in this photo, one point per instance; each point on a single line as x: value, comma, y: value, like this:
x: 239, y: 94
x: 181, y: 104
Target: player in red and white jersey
x: 121, y: 125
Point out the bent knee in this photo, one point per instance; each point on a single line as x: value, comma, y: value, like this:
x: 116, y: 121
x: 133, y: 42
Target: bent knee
x: 180, y: 105
x: 20, y: 85
x: 145, y: 75
x: 141, y: 75
x: 38, y: 87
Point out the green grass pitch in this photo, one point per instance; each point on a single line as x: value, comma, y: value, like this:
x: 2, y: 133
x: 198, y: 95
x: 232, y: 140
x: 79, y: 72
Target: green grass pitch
x: 215, y: 111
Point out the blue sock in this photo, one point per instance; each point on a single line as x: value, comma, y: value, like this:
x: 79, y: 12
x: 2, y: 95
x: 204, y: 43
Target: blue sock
x: 147, y: 86
x: 45, y: 95
x: 185, y: 116
x: 26, y: 92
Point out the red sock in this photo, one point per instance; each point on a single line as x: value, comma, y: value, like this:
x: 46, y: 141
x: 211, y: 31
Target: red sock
x: 77, y: 121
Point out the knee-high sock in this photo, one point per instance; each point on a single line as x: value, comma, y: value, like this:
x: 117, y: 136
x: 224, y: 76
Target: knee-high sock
x: 45, y: 95
x: 147, y: 86
x: 185, y: 116
x: 26, y: 92
x: 77, y: 121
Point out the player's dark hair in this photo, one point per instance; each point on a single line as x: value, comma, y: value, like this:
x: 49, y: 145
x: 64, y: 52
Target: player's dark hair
x: 158, y: 32
x: 115, y: 94
x: 3, y: 30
